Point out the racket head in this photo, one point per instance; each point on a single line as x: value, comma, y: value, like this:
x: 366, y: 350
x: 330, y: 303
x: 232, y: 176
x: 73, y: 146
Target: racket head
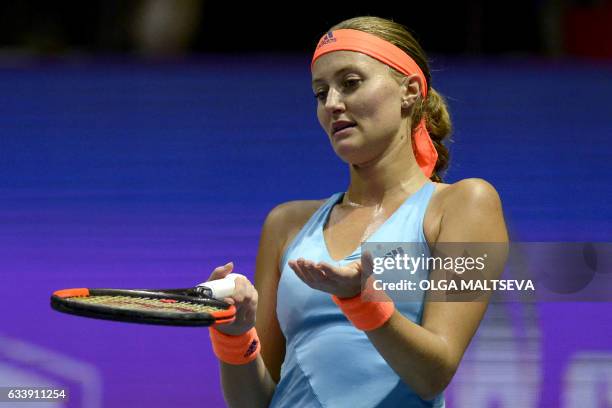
x: 171, y: 307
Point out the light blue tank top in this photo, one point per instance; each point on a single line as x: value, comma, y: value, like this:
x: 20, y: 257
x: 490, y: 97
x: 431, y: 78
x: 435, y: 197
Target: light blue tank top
x: 328, y: 362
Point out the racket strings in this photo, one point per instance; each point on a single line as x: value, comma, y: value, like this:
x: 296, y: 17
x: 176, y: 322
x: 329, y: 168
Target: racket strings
x: 145, y: 304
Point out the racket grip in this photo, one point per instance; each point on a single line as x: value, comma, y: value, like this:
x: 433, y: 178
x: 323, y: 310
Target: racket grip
x: 221, y: 288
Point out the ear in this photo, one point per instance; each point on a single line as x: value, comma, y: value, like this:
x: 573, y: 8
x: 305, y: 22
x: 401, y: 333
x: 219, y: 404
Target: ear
x: 410, y: 90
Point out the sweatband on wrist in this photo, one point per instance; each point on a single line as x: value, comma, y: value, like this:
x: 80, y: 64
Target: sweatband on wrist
x: 365, y: 314
x: 236, y: 350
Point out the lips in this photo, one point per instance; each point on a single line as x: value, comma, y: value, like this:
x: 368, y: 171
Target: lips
x: 341, y: 124
x: 342, y: 133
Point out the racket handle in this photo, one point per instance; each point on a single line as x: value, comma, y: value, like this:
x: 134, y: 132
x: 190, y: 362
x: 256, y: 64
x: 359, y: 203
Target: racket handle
x: 220, y: 288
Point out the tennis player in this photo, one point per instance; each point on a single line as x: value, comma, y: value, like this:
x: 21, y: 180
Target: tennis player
x: 305, y: 336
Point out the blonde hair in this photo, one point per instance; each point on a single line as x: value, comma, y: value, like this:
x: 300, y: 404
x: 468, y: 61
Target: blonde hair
x: 434, y: 107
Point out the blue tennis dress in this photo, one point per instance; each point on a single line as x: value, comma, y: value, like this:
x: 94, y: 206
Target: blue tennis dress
x: 328, y: 362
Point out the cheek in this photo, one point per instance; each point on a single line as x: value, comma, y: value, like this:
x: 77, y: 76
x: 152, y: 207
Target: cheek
x: 382, y: 108
x: 321, y: 115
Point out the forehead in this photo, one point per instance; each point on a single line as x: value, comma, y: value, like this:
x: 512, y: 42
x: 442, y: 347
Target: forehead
x: 328, y: 65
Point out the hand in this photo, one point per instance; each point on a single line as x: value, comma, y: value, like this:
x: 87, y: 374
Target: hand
x: 342, y: 281
x: 244, y: 299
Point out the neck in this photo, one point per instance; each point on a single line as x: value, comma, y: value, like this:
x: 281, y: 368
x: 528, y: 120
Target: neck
x: 392, y: 175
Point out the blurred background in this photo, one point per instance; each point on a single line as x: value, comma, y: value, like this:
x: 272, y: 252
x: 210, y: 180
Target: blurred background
x: 551, y: 28
x: 142, y: 144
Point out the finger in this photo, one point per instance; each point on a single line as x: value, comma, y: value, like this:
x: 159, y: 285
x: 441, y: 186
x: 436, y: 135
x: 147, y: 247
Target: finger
x: 318, y: 276
x: 367, y: 264
x: 299, y: 272
x: 316, y: 271
x: 240, y: 289
x: 367, y: 256
x: 307, y: 269
x: 221, y: 272
x: 329, y: 270
x: 293, y: 265
x: 321, y: 270
x: 247, y: 315
x: 250, y: 295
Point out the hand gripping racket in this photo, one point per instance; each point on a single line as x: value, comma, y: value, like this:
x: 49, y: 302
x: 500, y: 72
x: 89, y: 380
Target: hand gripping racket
x: 197, y: 306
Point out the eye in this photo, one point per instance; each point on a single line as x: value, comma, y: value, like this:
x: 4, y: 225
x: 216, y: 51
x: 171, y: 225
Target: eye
x: 321, y: 95
x: 351, y: 82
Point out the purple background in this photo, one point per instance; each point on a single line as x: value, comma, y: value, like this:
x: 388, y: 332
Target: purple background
x: 126, y: 174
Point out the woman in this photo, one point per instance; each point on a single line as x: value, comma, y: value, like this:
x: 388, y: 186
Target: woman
x: 383, y: 118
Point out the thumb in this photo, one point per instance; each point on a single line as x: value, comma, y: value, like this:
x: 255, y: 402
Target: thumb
x: 367, y: 265
x: 221, y: 272
x: 367, y: 270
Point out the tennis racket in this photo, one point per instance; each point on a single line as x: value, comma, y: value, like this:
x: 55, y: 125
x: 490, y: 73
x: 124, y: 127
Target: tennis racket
x: 197, y: 306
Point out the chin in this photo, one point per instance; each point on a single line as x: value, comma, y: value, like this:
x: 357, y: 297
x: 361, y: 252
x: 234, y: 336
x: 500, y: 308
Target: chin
x: 354, y: 151
x: 351, y: 155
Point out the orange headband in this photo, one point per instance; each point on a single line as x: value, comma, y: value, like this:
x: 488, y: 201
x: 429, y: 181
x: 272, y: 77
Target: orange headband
x: 354, y: 40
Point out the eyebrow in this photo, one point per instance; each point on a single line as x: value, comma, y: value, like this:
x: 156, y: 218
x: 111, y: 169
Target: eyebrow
x: 337, y: 73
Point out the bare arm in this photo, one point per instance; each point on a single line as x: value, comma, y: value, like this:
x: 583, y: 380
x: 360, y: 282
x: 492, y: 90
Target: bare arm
x: 253, y: 384
x: 248, y: 385
x: 426, y: 357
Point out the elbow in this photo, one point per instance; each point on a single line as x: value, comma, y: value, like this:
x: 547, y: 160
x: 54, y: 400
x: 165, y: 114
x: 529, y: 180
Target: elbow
x: 436, y: 384
x: 439, y: 373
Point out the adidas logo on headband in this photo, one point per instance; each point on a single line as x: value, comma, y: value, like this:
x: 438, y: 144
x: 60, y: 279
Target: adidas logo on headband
x: 328, y: 38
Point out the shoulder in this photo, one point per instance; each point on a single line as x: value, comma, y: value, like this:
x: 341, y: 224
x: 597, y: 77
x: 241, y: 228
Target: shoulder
x: 292, y: 212
x: 297, y: 209
x: 285, y: 220
x: 469, y: 194
x: 468, y: 209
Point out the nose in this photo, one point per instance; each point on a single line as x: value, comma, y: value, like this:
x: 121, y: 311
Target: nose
x: 334, y: 102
